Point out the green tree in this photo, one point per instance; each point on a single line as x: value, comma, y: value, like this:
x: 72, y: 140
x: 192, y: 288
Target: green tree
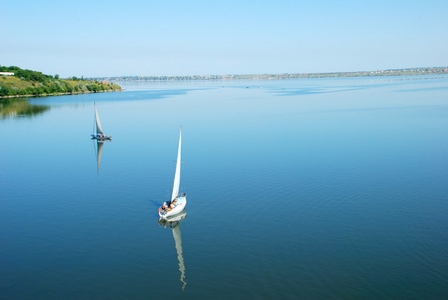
x: 4, y: 90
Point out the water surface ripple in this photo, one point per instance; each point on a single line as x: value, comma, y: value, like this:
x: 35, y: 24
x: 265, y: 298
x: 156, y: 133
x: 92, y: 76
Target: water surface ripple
x: 297, y: 189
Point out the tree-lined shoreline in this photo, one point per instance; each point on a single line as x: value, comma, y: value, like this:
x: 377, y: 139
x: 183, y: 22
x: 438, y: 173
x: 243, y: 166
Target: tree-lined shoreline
x: 16, y: 83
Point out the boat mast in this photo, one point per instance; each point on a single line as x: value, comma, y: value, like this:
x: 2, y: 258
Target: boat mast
x: 98, y: 123
x: 94, y: 119
x: 177, y: 174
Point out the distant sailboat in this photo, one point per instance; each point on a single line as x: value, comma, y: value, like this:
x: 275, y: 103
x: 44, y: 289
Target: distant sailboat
x: 177, y: 202
x: 97, y: 130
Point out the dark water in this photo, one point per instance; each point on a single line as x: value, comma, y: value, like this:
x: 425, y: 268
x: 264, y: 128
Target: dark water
x: 301, y: 189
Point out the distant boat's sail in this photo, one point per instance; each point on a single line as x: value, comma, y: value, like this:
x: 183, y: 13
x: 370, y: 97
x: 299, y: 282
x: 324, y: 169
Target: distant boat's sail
x: 177, y: 175
x: 99, y: 130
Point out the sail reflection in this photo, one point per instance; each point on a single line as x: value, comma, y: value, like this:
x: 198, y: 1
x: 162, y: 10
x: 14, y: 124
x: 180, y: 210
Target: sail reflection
x: 20, y: 108
x: 99, y: 152
x: 174, y: 223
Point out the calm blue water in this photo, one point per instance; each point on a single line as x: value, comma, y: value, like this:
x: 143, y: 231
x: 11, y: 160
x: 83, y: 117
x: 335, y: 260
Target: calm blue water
x: 300, y: 189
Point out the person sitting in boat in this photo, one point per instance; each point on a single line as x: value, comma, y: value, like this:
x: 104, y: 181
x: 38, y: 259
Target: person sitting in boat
x: 167, y: 205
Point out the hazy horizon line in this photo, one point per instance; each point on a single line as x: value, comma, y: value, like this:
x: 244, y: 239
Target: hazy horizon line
x: 278, y: 74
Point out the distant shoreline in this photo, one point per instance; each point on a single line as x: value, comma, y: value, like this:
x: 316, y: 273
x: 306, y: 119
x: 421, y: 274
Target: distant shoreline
x: 393, y: 72
x: 22, y: 83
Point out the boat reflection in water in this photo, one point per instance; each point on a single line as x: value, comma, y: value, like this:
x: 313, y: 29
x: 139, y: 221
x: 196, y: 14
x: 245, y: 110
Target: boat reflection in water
x: 98, y: 145
x: 174, y: 223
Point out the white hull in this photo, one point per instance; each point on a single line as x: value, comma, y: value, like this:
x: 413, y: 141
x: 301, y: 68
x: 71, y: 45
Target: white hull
x: 181, y: 202
x: 177, y: 217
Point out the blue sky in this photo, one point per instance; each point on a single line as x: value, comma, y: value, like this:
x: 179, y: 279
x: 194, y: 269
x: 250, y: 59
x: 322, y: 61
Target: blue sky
x: 145, y: 37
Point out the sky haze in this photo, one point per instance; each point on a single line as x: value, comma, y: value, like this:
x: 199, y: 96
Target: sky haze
x: 156, y: 38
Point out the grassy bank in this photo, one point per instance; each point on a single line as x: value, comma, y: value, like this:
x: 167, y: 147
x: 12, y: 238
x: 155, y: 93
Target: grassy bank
x: 27, y: 83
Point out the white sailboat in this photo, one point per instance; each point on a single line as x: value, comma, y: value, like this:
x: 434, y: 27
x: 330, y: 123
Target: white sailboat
x: 97, y: 130
x: 177, y: 202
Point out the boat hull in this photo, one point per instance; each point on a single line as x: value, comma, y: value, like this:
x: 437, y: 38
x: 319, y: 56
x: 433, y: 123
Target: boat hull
x: 98, y: 137
x: 177, y: 217
x: 181, y: 202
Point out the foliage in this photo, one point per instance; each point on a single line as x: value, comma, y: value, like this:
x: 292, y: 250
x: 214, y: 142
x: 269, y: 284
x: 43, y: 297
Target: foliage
x: 33, y: 83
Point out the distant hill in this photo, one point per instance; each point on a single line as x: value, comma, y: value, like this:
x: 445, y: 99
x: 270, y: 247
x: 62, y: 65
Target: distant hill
x: 27, y: 83
x: 397, y: 72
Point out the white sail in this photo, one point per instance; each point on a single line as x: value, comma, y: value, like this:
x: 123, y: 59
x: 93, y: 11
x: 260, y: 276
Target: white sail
x: 180, y: 258
x: 99, y: 130
x: 177, y: 174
